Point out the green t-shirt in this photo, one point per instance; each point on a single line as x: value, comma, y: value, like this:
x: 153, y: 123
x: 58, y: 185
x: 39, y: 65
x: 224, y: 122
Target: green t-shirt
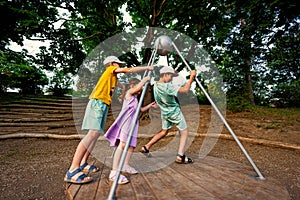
x: 164, y: 94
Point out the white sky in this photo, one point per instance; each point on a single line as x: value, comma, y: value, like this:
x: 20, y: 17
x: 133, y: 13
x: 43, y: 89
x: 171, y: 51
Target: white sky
x: 32, y: 46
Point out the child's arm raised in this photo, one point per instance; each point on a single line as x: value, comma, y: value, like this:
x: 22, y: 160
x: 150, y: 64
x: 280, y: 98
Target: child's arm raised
x: 137, y: 88
x: 187, y: 86
x: 133, y: 69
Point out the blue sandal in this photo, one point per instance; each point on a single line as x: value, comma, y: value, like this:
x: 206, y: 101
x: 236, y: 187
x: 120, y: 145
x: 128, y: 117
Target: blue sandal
x: 88, y: 168
x: 77, y: 176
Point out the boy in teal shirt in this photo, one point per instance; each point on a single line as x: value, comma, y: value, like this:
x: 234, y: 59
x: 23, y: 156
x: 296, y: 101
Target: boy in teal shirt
x: 164, y: 94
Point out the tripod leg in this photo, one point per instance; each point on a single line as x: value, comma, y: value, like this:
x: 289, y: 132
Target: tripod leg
x: 260, y: 176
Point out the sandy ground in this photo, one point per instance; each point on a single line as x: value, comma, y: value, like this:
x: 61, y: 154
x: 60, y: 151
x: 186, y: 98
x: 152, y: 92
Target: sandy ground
x: 33, y: 168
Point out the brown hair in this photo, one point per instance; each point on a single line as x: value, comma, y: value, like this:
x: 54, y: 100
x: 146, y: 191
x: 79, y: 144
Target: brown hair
x: 134, y: 81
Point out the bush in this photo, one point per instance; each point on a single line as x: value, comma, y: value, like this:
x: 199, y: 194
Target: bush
x: 287, y: 94
x: 238, y: 104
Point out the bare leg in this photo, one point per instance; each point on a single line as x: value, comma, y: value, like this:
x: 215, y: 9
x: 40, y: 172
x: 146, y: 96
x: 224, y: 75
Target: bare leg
x: 89, y: 149
x: 128, y: 155
x: 116, y: 163
x: 156, y: 138
x: 127, y: 168
x: 182, y: 141
x: 181, y: 158
x: 84, y: 147
x: 117, y: 157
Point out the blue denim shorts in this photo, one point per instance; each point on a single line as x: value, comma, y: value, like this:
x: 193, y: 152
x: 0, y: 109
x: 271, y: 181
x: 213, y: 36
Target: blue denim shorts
x: 95, y: 115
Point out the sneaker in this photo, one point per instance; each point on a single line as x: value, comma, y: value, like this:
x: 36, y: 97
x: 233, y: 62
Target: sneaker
x: 122, y: 179
x: 130, y: 170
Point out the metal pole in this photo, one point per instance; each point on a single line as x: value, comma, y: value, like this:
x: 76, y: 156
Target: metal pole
x: 260, y: 176
x: 115, y: 183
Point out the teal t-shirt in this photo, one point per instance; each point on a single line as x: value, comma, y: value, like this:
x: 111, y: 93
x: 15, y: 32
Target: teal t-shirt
x: 164, y: 94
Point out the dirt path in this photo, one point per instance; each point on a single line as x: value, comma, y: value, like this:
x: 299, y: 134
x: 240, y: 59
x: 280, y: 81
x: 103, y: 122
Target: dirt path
x: 34, y: 168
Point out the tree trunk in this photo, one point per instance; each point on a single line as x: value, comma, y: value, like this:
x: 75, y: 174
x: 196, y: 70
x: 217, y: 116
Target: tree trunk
x: 247, y: 62
x: 249, y: 88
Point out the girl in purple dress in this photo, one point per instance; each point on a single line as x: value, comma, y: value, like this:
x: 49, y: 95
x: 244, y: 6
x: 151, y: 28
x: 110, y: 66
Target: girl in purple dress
x: 118, y: 132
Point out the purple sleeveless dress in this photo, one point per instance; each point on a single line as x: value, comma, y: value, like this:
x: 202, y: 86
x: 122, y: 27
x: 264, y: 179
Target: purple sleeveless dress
x: 120, y: 129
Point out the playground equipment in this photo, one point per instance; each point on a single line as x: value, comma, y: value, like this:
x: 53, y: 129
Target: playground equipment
x: 163, y: 46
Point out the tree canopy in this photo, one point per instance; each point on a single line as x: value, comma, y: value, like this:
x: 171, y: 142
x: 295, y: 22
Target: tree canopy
x: 255, y: 44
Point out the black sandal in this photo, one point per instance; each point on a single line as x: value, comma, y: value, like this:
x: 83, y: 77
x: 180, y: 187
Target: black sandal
x: 145, y: 151
x: 182, y: 159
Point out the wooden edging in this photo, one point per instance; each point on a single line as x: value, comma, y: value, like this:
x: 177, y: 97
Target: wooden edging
x: 221, y: 136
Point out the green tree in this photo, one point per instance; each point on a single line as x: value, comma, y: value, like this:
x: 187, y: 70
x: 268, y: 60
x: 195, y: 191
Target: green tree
x: 35, y: 20
x: 250, y: 27
x: 18, y: 73
x: 254, y: 43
